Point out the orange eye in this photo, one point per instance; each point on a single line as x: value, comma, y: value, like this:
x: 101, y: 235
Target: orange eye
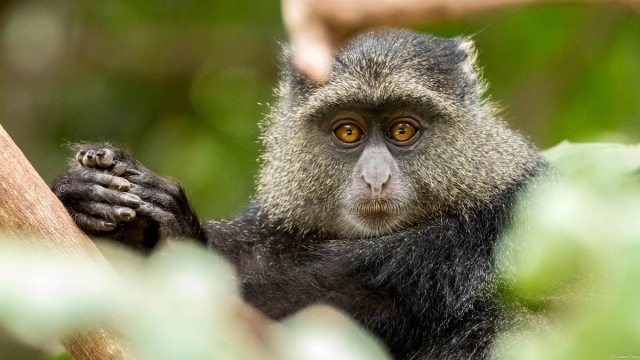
x: 348, y: 133
x: 402, y: 131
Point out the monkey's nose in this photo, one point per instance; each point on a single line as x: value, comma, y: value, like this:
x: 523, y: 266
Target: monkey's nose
x: 376, y: 181
x: 375, y: 169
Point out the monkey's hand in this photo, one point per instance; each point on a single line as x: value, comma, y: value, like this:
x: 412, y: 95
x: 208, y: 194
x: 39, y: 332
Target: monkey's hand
x: 109, y: 194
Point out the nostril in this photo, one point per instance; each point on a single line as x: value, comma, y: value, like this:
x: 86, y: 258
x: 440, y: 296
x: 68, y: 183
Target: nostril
x: 366, y: 182
x: 386, y: 182
x: 376, y: 184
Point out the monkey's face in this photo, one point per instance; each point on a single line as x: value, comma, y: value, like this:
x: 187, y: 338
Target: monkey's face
x: 344, y: 170
x: 398, y: 134
x: 377, y: 197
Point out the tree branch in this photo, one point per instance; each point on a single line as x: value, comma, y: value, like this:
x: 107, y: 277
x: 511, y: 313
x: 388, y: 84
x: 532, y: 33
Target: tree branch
x: 29, y: 209
x: 316, y: 27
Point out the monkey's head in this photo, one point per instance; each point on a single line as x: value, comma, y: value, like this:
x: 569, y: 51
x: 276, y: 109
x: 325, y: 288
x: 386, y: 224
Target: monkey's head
x: 399, y: 133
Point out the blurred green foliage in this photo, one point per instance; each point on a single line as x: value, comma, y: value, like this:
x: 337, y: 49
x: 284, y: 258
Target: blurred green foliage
x: 574, y: 258
x: 184, y: 83
x: 180, y: 303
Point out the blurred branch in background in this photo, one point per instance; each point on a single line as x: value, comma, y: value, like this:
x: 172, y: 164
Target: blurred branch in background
x: 316, y: 28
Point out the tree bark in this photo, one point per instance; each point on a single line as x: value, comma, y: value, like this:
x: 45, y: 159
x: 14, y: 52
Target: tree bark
x: 28, y: 208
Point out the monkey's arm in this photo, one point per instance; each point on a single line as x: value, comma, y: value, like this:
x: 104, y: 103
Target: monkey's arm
x: 109, y: 194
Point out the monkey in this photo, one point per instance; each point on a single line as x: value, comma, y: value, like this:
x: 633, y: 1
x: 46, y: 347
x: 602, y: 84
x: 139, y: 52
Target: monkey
x: 382, y: 192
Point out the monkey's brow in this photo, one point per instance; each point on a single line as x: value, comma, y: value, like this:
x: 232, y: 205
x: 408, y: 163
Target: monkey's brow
x: 322, y: 105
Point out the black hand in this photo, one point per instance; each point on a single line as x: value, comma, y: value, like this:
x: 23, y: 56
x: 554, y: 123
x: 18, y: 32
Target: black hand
x: 109, y: 193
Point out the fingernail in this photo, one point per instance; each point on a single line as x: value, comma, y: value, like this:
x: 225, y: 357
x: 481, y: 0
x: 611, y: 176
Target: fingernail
x: 80, y: 156
x: 104, y: 158
x: 119, y: 167
x: 144, y: 209
x: 121, y: 184
x: 134, y: 172
x: 131, y: 200
x: 89, y: 159
x: 126, y: 213
x: 106, y: 225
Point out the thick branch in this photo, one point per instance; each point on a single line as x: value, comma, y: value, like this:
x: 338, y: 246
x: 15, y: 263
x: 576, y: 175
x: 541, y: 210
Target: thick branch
x: 316, y: 27
x: 359, y: 13
x: 29, y: 208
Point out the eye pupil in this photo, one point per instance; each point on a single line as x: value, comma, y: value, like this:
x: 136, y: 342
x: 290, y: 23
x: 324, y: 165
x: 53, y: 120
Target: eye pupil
x: 402, y: 131
x: 348, y: 133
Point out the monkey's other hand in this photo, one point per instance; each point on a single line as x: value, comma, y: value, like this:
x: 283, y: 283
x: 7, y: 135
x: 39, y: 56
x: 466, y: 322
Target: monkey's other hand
x: 109, y: 194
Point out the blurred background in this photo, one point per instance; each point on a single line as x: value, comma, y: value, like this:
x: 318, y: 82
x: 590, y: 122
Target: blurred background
x: 183, y: 83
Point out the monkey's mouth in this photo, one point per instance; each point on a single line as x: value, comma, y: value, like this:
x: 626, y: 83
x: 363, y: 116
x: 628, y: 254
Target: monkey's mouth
x: 375, y: 210
x: 375, y: 217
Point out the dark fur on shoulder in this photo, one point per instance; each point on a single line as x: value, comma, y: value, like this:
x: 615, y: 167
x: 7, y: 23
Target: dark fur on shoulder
x: 426, y: 291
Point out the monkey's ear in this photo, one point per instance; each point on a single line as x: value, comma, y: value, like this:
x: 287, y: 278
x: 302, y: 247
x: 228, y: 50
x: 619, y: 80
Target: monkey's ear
x: 471, y: 72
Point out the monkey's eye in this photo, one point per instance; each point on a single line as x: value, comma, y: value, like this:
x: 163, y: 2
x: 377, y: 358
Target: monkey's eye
x: 402, y: 131
x: 348, y: 133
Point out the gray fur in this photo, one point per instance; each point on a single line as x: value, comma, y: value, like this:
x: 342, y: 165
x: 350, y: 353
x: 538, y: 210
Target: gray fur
x: 470, y: 156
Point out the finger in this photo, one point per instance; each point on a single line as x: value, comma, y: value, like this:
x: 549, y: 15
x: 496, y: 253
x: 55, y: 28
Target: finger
x: 119, y: 167
x: 163, y: 199
x: 91, y: 224
x: 124, y: 213
x: 80, y: 156
x: 104, y: 158
x: 89, y: 159
x: 151, y: 181
x: 148, y: 180
x: 145, y: 209
x: 133, y: 172
x: 101, y: 194
x: 163, y: 217
x: 106, y: 180
x: 106, y: 212
x: 167, y: 220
